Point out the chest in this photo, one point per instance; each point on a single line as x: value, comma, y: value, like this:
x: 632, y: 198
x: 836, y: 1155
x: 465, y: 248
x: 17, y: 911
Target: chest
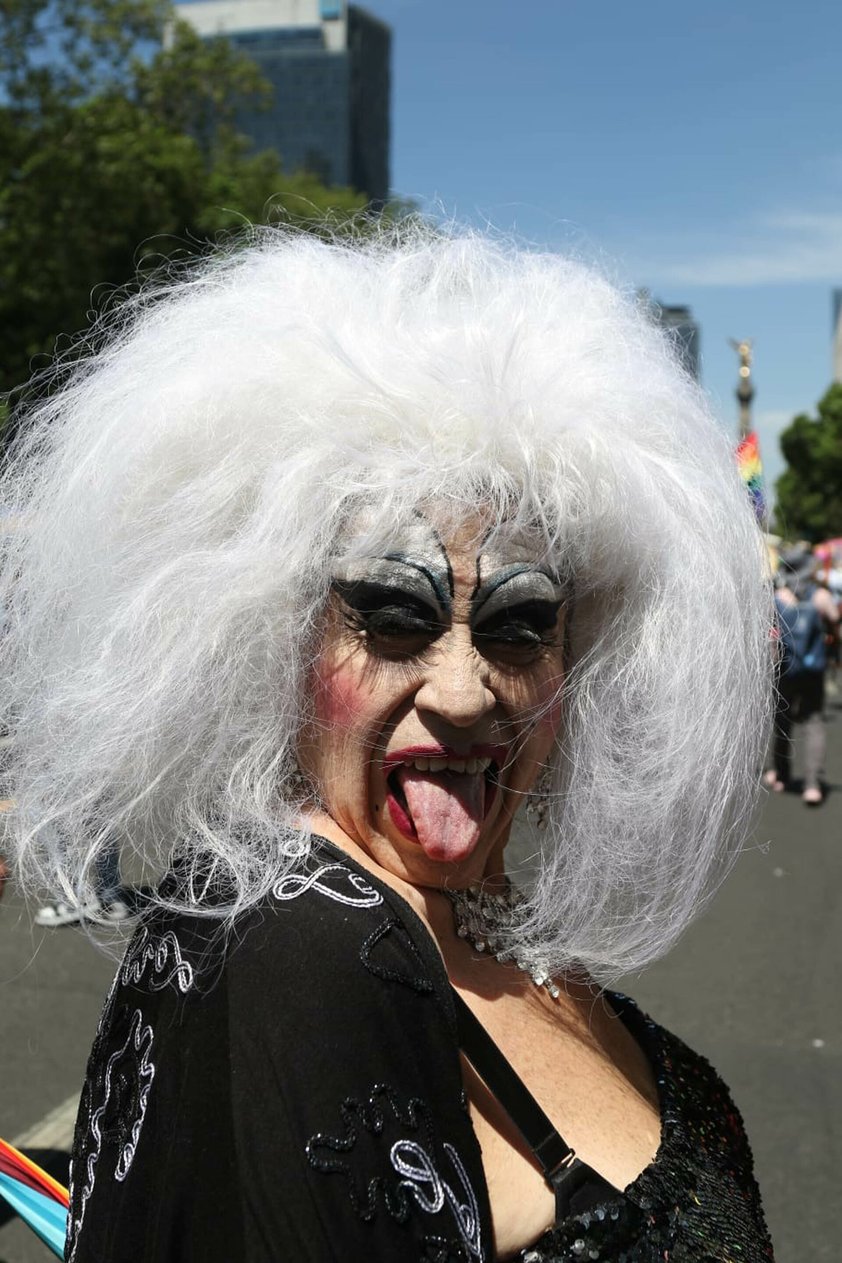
x: 593, y: 1082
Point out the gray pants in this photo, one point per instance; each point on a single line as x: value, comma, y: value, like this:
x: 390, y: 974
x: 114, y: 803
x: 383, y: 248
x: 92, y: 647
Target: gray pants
x: 800, y: 701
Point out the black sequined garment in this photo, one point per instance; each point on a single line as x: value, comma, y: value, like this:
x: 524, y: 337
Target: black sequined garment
x: 299, y: 1097
x: 697, y: 1201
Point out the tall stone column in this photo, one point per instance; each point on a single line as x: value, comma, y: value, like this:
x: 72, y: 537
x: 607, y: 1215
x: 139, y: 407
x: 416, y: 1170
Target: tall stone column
x: 745, y: 389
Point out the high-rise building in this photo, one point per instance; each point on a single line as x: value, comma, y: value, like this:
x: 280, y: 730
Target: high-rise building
x: 837, y: 335
x: 329, y: 66
x: 682, y: 328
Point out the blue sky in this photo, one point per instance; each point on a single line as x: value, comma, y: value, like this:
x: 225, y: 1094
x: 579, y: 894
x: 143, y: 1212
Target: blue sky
x: 694, y: 149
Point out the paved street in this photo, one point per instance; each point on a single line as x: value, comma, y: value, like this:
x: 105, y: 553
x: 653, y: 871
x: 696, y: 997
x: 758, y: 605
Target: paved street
x: 755, y: 985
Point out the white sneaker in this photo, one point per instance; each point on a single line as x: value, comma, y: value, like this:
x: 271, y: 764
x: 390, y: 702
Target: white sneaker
x: 53, y: 915
x: 113, y: 911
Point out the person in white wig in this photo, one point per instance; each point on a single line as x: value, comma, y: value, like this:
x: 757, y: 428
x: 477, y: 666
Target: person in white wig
x: 334, y: 556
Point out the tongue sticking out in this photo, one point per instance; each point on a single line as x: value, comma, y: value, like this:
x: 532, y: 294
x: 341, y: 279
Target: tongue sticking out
x: 447, y: 810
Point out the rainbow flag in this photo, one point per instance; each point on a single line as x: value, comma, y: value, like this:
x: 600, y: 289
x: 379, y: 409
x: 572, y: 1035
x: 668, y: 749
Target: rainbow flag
x: 39, y: 1199
x: 751, y: 472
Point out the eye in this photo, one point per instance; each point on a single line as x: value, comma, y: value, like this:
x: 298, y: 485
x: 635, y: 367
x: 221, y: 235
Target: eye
x: 389, y: 618
x: 525, y: 627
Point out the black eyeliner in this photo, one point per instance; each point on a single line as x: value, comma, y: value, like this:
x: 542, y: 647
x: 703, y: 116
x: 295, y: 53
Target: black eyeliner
x: 532, y: 621
x: 385, y: 610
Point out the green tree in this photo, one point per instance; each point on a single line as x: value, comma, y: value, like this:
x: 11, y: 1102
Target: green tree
x: 809, y: 491
x: 118, y: 143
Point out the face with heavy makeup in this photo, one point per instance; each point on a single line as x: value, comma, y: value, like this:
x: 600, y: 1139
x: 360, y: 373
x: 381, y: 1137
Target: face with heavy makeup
x: 436, y: 698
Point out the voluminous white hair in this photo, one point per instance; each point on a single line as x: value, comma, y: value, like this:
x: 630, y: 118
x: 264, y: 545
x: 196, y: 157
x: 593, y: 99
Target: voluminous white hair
x: 178, y: 504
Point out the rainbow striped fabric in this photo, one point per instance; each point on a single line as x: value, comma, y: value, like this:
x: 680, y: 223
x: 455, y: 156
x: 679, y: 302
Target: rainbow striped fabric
x: 40, y: 1200
x: 751, y: 472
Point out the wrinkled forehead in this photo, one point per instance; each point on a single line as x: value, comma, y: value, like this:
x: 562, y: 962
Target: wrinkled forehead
x: 421, y: 549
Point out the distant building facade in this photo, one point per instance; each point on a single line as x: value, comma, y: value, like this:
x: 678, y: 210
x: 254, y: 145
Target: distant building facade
x: 679, y: 322
x: 837, y: 335
x: 329, y: 64
x: 681, y: 327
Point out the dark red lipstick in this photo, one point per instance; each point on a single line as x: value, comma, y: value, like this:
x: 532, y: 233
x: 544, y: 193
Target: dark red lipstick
x: 497, y: 754
x: 395, y: 760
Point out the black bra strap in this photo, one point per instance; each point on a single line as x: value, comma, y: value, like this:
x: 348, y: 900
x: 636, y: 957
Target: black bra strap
x: 563, y: 1171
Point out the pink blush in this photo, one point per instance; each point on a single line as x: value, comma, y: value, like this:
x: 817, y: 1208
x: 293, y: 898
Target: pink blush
x: 338, y: 698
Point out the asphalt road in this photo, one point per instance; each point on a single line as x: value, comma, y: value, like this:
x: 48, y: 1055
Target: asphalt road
x: 756, y: 985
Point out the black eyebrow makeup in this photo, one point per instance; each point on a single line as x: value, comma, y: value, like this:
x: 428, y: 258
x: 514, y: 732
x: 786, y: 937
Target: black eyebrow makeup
x: 414, y: 561
x: 518, y: 595
x: 522, y: 588
x: 393, y: 575
x: 443, y: 592
x: 444, y: 553
x: 511, y: 571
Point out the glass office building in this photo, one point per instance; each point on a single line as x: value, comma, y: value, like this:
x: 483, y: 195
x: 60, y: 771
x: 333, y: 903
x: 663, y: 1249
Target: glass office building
x: 682, y: 329
x: 679, y: 322
x: 329, y: 66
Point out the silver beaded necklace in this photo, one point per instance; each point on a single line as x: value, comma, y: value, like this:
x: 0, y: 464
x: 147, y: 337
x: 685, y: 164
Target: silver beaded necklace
x: 486, y: 920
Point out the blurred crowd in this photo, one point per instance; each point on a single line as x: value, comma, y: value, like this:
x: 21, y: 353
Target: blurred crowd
x: 808, y: 601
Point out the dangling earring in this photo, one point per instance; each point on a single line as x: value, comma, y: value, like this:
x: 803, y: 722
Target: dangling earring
x: 537, y: 808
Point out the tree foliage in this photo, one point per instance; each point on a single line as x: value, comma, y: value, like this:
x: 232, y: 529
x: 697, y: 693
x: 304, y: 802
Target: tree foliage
x: 809, y: 492
x: 118, y: 142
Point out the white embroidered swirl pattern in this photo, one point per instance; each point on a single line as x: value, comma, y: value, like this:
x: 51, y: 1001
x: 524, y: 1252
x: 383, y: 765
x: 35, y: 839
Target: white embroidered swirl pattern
x: 424, y: 1183
x: 164, y: 956
x: 138, y: 1045
x: 156, y: 962
x: 361, y: 894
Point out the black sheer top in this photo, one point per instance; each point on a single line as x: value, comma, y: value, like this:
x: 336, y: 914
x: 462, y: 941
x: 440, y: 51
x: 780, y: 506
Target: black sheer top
x: 294, y: 1095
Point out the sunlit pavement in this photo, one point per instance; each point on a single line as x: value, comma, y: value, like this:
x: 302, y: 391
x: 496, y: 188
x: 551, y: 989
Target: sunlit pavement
x: 756, y: 985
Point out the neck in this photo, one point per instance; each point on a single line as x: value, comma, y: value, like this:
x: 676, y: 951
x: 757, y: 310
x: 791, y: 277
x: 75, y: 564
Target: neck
x: 429, y: 902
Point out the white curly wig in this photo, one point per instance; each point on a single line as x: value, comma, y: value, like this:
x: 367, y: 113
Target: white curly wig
x: 178, y: 504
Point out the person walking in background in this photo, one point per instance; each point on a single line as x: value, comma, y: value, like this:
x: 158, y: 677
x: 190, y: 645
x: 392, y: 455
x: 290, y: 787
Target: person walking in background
x: 829, y: 577
x: 807, y: 617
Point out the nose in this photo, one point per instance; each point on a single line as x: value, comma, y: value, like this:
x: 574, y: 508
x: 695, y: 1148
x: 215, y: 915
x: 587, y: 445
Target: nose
x: 456, y: 684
